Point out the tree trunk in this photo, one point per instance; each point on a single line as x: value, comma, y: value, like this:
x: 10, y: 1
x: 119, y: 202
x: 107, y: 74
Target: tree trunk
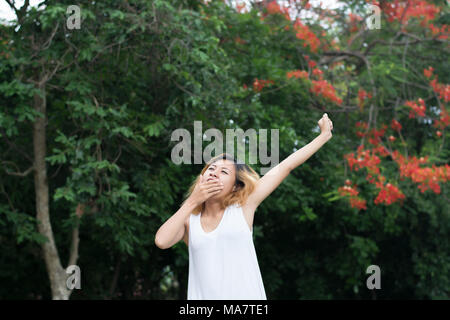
x: 55, y: 271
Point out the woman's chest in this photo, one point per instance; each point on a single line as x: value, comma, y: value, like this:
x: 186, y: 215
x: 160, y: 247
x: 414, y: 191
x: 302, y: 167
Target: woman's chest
x: 231, y: 231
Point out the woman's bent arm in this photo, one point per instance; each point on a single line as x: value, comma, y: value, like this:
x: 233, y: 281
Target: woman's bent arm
x: 172, y: 230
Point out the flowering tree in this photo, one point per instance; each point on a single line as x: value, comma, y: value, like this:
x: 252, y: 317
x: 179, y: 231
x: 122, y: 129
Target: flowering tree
x: 382, y: 83
x: 93, y: 180
x: 410, y: 23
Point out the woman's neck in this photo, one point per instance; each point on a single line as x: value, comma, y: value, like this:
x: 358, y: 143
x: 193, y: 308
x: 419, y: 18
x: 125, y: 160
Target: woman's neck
x: 212, y: 208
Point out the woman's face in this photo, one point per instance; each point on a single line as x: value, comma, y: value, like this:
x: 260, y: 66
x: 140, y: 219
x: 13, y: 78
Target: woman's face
x: 224, y: 171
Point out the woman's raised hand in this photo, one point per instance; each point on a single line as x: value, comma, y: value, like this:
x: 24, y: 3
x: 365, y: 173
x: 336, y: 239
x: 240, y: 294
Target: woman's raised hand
x: 206, y: 189
x: 325, y: 125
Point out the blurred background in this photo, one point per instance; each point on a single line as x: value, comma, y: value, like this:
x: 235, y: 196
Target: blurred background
x: 90, y: 96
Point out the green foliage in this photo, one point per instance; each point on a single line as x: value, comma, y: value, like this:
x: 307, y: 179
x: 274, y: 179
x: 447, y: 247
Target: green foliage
x: 24, y: 225
x: 138, y: 70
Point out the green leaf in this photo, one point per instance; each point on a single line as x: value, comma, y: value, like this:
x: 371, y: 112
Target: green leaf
x: 167, y: 67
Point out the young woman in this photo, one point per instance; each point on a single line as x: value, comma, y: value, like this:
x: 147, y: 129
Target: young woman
x: 216, y: 223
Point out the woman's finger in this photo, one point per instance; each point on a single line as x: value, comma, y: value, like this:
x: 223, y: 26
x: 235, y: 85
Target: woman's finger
x: 214, y: 189
x: 212, y: 186
x: 212, y: 182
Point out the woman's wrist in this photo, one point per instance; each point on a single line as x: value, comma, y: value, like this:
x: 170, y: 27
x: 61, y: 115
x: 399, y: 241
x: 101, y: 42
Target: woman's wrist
x: 192, y: 202
x: 326, y: 135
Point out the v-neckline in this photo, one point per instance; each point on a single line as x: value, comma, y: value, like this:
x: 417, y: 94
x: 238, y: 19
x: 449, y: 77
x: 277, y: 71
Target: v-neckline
x: 220, y: 222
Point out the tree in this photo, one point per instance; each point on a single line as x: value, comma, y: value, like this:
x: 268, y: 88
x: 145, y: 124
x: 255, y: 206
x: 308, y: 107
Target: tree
x: 101, y: 104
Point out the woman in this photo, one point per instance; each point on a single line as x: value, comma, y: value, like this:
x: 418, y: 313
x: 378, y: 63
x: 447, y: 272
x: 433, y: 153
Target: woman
x: 216, y: 223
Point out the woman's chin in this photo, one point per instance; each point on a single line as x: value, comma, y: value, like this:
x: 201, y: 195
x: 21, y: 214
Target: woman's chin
x: 217, y: 196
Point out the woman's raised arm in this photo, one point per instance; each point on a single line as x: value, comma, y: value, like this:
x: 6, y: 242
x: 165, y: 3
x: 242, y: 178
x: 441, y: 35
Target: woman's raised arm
x: 272, y: 179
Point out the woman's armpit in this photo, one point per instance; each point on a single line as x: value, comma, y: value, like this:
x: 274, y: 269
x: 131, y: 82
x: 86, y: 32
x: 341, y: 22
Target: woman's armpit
x: 186, y: 232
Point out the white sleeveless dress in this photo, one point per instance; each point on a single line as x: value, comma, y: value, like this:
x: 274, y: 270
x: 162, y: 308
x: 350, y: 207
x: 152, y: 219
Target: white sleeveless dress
x: 222, y: 263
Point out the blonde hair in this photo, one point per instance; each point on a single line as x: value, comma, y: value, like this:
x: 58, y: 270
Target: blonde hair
x: 246, y: 179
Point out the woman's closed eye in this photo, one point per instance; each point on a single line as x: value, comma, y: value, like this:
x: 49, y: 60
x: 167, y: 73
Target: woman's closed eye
x: 222, y: 170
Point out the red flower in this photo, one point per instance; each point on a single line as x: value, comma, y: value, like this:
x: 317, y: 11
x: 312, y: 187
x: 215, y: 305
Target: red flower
x: 311, y: 63
x: 354, y: 19
x: 416, y: 109
x: 305, y: 34
x: 347, y: 191
x: 352, y: 193
x: 426, y: 177
x: 443, y: 31
x: 442, y: 90
x: 274, y: 8
x: 403, y: 11
x: 362, y: 96
x: 358, y: 203
x: 297, y: 74
x: 395, y: 125
x: 259, y: 84
x: 323, y: 88
x: 361, y: 124
x: 389, y: 194
x: 318, y: 73
x: 428, y: 72
x: 444, y: 120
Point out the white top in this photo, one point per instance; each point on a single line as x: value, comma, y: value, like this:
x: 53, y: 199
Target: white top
x: 223, y: 263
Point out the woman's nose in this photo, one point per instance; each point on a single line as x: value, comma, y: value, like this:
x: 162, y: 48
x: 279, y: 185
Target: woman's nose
x: 213, y: 175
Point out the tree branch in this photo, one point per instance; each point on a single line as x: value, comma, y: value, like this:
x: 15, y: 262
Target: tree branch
x: 18, y: 173
x: 112, y: 288
x: 12, y: 145
x: 401, y: 43
x: 360, y: 56
x: 20, y: 13
x: 49, y: 41
x: 79, y: 211
x: 48, y: 76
